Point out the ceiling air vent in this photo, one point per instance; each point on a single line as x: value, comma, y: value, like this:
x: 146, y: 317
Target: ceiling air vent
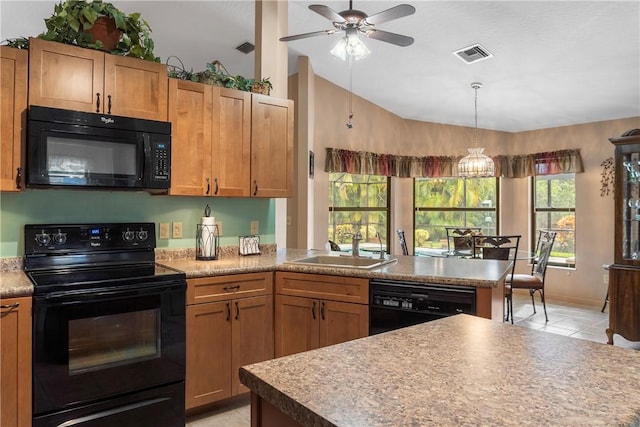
x: 246, y: 47
x: 473, y: 53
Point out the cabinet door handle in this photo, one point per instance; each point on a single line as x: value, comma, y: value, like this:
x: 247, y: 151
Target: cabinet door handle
x: 208, y: 186
x: 322, y: 310
x: 98, y: 102
x: 255, y: 187
x: 217, y: 187
x: 109, y: 104
x: 19, y: 178
x: 10, y: 306
x: 237, y: 311
x: 313, y: 310
x: 228, y: 311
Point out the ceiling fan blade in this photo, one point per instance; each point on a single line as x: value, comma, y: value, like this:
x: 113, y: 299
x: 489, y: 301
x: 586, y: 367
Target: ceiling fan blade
x: 327, y: 12
x: 388, y: 37
x: 389, y: 14
x: 307, y: 35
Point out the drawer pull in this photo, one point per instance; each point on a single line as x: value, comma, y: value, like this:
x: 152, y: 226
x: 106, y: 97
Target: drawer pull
x: 10, y: 306
x: 231, y: 288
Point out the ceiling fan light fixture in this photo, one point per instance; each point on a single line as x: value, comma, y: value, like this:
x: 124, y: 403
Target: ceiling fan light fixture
x: 476, y: 164
x: 350, y: 46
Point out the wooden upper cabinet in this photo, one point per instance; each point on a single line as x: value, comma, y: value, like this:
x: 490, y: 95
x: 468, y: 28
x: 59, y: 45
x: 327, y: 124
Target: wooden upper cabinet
x: 13, y: 104
x: 65, y: 76
x: 75, y: 78
x: 271, y: 146
x: 137, y: 88
x: 232, y: 142
x: 190, y: 114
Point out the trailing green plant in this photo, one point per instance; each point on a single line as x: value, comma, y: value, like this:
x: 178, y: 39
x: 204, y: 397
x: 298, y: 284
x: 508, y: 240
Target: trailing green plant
x: 71, y: 19
x: 18, y: 42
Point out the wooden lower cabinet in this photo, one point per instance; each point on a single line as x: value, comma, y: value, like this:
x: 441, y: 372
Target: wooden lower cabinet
x: 223, y: 335
x: 624, y: 302
x: 304, y: 323
x: 15, y: 362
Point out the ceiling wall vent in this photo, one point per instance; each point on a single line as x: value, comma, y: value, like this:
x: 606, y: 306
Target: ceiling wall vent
x: 473, y: 53
x: 246, y: 47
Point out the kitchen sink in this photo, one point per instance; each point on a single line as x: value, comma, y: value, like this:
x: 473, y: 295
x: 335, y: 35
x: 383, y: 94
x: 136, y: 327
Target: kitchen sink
x: 342, y: 261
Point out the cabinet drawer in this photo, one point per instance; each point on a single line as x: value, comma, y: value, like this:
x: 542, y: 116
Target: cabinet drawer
x: 335, y: 288
x: 208, y: 289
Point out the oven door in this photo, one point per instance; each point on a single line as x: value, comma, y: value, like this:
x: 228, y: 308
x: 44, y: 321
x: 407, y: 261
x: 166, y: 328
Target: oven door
x: 95, y: 345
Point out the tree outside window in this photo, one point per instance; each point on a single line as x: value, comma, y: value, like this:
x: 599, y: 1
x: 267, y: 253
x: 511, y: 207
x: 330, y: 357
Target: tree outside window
x: 554, y: 209
x: 457, y: 202
x: 358, y: 203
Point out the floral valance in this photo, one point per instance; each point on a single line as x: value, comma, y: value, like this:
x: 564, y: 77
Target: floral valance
x: 367, y: 163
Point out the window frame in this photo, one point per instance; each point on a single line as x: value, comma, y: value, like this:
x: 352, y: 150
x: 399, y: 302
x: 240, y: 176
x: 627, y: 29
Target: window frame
x: 550, y: 211
x: 494, y: 209
x: 387, y: 209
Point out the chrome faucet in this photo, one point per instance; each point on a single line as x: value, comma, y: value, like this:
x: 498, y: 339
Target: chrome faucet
x: 381, y: 249
x: 355, y: 243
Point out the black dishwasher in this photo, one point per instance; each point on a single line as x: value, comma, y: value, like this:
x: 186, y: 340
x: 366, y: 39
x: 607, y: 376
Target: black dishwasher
x: 397, y: 304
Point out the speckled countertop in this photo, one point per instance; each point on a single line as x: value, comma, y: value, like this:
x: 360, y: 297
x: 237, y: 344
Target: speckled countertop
x: 457, y: 371
x: 453, y: 271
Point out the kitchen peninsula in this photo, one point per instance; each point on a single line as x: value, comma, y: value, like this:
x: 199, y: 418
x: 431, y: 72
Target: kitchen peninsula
x: 457, y: 371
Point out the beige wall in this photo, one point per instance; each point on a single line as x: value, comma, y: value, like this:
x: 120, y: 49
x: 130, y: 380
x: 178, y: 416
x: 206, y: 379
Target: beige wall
x: 377, y: 130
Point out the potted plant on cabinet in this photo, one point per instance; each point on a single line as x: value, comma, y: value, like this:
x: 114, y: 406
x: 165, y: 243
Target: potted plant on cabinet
x: 100, y: 25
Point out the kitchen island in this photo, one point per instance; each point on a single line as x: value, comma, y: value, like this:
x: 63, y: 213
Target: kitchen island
x: 457, y: 371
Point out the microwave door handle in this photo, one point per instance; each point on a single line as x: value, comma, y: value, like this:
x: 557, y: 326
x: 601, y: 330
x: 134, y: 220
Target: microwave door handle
x: 146, y: 142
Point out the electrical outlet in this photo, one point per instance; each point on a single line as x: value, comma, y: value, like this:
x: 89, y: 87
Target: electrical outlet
x: 219, y: 224
x: 605, y: 278
x: 177, y: 230
x: 164, y: 230
x: 254, y: 227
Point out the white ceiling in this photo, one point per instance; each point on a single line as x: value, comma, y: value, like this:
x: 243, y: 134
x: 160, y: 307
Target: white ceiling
x: 555, y: 62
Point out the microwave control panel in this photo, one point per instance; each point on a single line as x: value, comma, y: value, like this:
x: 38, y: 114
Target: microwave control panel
x: 161, y: 161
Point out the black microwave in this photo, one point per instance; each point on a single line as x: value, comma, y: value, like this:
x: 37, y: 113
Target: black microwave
x: 79, y: 149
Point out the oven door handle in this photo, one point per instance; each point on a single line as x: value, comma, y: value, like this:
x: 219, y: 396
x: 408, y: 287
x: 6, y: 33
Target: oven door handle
x: 110, y: 412
x: 71, y: 297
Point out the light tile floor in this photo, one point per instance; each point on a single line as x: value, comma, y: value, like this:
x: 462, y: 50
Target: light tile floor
x: 568, y: 319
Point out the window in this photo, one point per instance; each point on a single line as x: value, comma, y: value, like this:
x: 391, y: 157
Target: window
x: 359, y: 203
x: 440, y: 203
x: 554, y: 208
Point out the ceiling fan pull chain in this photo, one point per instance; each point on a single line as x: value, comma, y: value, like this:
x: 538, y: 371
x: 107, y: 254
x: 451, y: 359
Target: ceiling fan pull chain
x: 349, y: 124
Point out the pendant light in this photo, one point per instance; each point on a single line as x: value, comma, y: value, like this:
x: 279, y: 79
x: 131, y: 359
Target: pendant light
x: 476, y: 164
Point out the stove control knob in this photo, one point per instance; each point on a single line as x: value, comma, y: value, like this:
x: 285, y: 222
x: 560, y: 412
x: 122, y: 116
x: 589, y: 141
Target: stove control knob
x: 128, y: 236
x: 60, y: 238
x: 143, y: 235
x: 43, y: 238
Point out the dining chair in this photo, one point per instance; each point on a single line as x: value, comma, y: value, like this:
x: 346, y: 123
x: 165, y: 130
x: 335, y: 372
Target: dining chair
x: 403, y: 242
x: 334, y: 246
x: 497, y: 247
x: 533, y: 282
x: 460, y: 237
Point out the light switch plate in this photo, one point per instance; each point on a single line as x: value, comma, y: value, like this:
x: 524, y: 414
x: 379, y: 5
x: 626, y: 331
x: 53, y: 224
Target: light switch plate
x: 177, y: 230
x: 164, y: 230
x: 254, y: 227
x: 219, y: 224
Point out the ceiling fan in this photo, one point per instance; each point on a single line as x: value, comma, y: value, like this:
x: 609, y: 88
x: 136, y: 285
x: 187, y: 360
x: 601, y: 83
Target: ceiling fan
x: 353, y: 21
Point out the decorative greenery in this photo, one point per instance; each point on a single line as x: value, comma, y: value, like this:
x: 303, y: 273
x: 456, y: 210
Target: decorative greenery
x: 18, y: 43
x: 72, y: 18
x: 217, y: 75
x: 607, y: 177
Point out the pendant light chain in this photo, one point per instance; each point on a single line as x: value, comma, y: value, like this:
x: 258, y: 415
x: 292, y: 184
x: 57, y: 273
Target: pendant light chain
x: 475, y: 135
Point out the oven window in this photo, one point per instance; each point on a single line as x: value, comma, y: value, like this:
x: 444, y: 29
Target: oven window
x: 77, y: 157
x: 112, y: 340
